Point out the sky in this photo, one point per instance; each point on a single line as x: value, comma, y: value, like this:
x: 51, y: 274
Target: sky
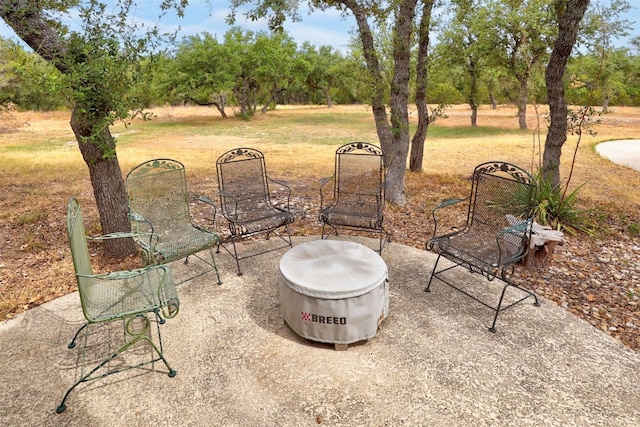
x: 319, y: 28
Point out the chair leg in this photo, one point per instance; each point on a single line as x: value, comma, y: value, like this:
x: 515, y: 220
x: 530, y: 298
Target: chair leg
x: 235, y: 256
x: 136, y: 335
x: 215, y: 266
x: 289, y: 235
x: 327, y: 234
x: 499, y: 308
x: 385, y: 238
x: 72, y: 344
x: 433, y: 272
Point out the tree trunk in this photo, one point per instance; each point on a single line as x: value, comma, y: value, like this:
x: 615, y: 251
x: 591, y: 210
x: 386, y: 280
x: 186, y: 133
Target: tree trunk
x: 523, y: 98
x: 98, y: 152
x: 494, y: 101
x: 28, y: 21
x: 569, y: 22
x: 327, y: 97
x: 416, y: 156
x: 397, y: 153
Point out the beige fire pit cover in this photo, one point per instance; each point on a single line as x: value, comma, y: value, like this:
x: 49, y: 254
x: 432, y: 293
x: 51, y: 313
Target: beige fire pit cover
x: 334, y: 291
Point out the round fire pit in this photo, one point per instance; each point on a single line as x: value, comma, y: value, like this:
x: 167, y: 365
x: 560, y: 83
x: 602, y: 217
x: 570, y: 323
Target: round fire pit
x: 334, y: 291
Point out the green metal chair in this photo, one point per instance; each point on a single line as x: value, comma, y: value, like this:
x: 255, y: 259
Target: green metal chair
x: 353, y: 198
x: 495, y: 235
x: 125, y: 296
x: 245, y: 197
x: 159, y: 209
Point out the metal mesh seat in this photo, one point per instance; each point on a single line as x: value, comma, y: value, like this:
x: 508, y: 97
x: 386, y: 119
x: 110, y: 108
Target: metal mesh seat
x: 246, y: 201
x: 496, y: 232
x: 159, y: 204
x: 353, y: 198
x: 127, y: 296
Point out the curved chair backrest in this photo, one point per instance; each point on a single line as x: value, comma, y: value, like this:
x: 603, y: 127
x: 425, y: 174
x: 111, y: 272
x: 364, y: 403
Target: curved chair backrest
x: 158, y: 192
x: 502, y: 194
x: 359, y: 170
x: 501, y: 189
x: 242, y: 175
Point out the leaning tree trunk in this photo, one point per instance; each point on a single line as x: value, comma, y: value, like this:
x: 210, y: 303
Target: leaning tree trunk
x: 98, y: 153
x: 557, y: 135
x: 393, y: 191
x: 28, y: 20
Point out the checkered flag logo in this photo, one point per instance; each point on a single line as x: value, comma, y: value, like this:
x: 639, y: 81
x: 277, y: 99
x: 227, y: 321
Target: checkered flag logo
x: 306, y: 316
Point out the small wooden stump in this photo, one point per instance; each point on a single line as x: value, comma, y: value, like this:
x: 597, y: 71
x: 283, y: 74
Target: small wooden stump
x: 341, y: 347
x: 542, y: 245
x: 539, y: 256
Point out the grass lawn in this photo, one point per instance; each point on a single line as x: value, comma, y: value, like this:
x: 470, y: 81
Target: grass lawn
x: 42, y: 167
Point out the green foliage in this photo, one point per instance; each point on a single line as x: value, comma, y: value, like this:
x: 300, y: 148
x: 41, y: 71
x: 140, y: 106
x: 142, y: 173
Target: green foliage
x: 28, y: 81
x: 559, y: 210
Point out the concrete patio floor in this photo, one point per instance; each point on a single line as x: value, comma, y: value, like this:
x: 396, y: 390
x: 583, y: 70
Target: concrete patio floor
x: 433, y: 362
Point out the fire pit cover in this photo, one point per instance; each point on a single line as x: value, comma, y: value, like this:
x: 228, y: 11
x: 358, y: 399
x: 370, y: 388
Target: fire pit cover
x: 334, y: 291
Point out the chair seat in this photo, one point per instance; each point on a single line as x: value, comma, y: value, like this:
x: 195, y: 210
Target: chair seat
x: 352, y: 216
x: 182, y: 241
x: 476, y: 247
x: 259, y: 221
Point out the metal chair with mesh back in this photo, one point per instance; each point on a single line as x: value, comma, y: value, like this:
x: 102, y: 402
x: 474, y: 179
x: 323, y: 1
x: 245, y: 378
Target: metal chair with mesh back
x: 121, y: 296
x: 246, y: 201
x: 495, y: 235
x: 159, y: 207
x: 353, y: 198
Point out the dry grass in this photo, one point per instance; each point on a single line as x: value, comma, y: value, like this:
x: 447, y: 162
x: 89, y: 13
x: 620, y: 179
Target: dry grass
x: 42, y: 167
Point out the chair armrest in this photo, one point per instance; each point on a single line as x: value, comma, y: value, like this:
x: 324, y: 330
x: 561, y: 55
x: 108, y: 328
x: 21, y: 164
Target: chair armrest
x: 134, y: 216
x: 516, y: 235
x: 153, y: 237
x: 285, y: 185
x: 449, y: 202
x: 209, y: 202
x: 323, y: 182
x: 224, y: 195
x: 445, y: 204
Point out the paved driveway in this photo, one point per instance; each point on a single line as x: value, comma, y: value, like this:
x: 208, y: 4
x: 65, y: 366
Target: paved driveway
x: 625, y: 152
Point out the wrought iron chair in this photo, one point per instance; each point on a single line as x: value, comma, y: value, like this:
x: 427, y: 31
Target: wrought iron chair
x: 126, y: 296
x: 353, y: 198
x: 159, y: 209
x: 495, y: 234
x: 246, y: 202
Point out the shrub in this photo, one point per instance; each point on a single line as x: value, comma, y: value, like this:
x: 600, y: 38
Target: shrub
x: 560, y: 211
